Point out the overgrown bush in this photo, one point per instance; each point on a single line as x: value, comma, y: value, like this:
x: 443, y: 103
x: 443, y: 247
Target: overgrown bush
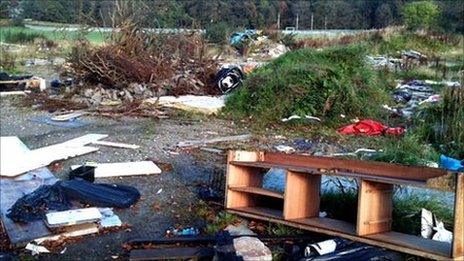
x: 443, y: 124
x: 217, y: 32
x: 308, y: 82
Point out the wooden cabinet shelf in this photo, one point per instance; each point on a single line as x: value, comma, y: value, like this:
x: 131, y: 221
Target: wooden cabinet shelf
x: 261, y: 211
x: 298, y: 206
x: 258, y: 191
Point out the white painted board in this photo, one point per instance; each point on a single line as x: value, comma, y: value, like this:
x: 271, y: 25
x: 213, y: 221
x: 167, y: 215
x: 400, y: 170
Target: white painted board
x: 119, y: 169
x: 72, y: 217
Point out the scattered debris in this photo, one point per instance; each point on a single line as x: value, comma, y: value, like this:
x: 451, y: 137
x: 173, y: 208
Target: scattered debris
x: 229, y: 78
x: 116, y: 144
x: 370, y: 128
x: 120, y: 169
x: 451, y: 163
x: 382, y: 62
x: 189, y: 231
x: 109, y: 219
x: 297, y: 117
x: 36, y: 249
x: 10, y: 83
x: 76, y: 123
x: 324, y: 247
x: 285, y: 149
x: 201, y: 104
x: 198, y: 143
x: 433, y: 228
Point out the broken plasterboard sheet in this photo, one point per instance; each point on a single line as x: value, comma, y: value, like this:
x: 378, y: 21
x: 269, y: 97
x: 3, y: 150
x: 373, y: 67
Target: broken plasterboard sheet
x: 202, y: 104
x: 116, y: 144
x: 73, y: 231
x: 72, y: 217
x: 118, y: 169
x: 17, y: 164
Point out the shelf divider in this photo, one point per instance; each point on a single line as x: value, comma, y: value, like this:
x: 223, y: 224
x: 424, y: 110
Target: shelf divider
x: 375, y: 205
x: 301, y: 197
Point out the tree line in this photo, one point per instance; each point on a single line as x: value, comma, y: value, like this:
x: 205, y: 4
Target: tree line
x: 256, y: 14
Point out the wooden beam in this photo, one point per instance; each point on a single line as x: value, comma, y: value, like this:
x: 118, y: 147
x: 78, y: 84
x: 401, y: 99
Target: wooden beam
x: 375, y: 205
x: 301, y: 199
x: 371, y: 168
x: 458, y: 235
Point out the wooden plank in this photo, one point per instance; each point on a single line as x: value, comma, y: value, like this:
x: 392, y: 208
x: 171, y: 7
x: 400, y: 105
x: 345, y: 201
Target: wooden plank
x: 375, y: 205
x: 120, y: 169
x: 177, y: 253
x: 301, y: 195
x: 309, y: 170
x: 196, y: 143
x: 72, y: 231
x: 72, y: 217
x: 329, y: 224
x: 458, y: 235
x: 439, y: 250
x: 116, y: 144
x: 414, y: 242
x: 16, y: 163
x: 257, y: 191
x: 243, y: 177
x: 261, y: 211
x: 68, y: 116
x: 370, y: 168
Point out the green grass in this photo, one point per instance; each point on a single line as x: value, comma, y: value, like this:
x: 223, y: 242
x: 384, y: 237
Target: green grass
x: 9, y: 34
x: 406, y: 150
x: 406, y: 210
x: 309, y: 82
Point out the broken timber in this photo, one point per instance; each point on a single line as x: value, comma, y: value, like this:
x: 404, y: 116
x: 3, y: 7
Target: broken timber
x: 298, y: 206
x: 198, y: 143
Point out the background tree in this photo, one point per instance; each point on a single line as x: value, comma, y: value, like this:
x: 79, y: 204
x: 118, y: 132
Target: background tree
x: 421, y: 15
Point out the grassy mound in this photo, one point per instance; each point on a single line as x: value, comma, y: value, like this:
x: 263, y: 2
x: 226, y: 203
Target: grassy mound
x: 323, y: 83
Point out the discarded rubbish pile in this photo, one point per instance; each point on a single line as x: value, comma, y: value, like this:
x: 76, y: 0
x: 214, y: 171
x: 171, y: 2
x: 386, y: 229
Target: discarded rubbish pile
x: 255, y: 44
x: 34, y: 206
x: 407, y: 60
x: 412, y: 95
x: 141, y: 64
x: 9, y: 83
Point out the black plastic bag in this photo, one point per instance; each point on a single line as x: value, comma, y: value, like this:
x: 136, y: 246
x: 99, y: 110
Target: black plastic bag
x: 35, y: 205
x: 101, y: 195
x: 83, y: 173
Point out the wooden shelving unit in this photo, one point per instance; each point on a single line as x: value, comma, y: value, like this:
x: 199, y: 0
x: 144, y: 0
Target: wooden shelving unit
x: 298, y: 206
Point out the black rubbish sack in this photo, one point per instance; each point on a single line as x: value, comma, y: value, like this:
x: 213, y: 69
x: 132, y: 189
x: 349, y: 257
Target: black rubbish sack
x: 101, y: 195
x: 35, y: 205
x: 228, y: 78
x: 83, y: 173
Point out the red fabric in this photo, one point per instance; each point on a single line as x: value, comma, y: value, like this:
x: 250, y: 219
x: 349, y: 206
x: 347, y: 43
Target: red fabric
x: 370, y: 128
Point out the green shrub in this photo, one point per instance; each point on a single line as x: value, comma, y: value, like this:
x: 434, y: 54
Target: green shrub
x: 217, y: 33
x: 443, y: 124
x: 309, y: 82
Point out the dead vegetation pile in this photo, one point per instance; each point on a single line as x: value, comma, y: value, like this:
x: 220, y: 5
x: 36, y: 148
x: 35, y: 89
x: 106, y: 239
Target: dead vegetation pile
x: 163, y: 64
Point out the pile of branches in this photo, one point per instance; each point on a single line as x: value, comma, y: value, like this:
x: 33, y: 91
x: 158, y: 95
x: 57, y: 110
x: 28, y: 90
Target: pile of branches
x: 165, y: 63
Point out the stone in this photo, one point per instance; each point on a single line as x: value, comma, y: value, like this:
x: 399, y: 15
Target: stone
x: 88, y: 93
x: 251, y: 249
